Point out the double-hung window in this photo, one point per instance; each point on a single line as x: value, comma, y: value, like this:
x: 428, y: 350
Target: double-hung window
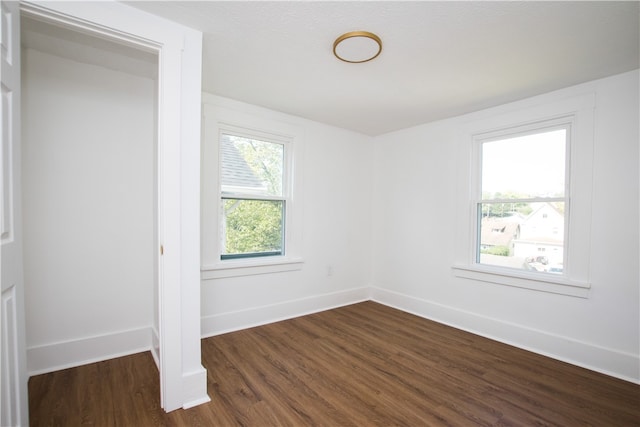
x: 253, y: 196
x: 251, y: 200
x: 522, y: 201
x: 524, y: 198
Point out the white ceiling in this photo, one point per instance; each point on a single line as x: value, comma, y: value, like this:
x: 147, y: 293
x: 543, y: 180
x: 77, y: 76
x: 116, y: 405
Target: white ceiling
x: 439, y: 59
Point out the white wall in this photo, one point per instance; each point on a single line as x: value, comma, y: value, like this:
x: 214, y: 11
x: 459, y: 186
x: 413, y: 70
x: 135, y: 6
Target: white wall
x: 414, y: 223
x: 88, y: 159
x: 336, y: 234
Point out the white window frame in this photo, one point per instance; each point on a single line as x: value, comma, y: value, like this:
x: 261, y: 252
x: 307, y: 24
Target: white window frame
x: 575, y: 113
x: 219, y: 120
x: 565, y: 123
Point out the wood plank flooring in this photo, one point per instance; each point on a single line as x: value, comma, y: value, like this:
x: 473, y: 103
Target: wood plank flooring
x: 360, y: 365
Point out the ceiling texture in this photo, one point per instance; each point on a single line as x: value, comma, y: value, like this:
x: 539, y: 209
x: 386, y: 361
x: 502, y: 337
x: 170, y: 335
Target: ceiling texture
x: 439, y: 59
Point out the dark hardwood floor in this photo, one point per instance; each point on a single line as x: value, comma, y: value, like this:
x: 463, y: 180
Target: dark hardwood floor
x: 360, y: 365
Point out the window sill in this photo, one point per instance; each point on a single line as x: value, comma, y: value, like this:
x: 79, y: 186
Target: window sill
x: 556, y: 285
x: 250, y: 267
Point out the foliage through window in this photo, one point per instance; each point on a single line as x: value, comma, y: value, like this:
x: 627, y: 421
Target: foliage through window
x: 521, y: 211
x: 253, y: 197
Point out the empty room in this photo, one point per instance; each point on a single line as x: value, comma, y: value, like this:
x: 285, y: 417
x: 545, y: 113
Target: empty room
x: 320, y: 213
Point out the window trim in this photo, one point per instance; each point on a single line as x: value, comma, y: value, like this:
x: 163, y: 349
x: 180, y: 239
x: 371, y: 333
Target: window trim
x: 579, y: 113
x: 219, y: 120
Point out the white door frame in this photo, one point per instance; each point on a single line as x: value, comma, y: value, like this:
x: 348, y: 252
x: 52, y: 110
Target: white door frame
x: 182, y: 377
x: 13, y: 371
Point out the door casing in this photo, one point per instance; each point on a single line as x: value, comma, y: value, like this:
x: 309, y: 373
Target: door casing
x: 182, y: 377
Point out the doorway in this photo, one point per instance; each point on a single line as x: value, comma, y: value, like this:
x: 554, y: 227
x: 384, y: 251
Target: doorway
x: 177, y: 345
x: 89, y: 150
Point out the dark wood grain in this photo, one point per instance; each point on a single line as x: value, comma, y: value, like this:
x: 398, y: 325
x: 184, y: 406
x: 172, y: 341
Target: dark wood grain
x: 360, y: 365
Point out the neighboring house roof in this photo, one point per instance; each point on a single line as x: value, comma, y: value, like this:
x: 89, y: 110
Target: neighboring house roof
x: 235, y: 171
x: 545, y: 207
x: 498, y: 232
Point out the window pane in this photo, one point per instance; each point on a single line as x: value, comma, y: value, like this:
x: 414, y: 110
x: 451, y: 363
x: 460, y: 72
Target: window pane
x: 527, y: 236
x: 251, y: 166
x: 252, y: 227
x: 523, y: 167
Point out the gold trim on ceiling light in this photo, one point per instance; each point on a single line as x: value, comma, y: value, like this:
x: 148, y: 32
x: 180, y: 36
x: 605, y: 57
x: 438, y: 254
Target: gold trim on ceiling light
x: 351, y: 34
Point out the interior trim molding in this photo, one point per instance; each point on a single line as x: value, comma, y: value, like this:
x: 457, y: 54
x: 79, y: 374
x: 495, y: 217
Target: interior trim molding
x: 194, y: 386
x: 257, y: 316
x: 607, y: 361
x: 155, y: 346
x: 70, y: 354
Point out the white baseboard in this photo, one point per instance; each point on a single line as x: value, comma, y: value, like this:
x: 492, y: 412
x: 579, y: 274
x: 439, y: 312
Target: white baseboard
x: 53, y: 357
x: 194, y: 388
x: 607, y: 361
x: 256, y: 316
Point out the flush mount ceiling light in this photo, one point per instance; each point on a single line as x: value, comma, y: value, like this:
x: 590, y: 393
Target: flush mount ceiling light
x: 357, y: 46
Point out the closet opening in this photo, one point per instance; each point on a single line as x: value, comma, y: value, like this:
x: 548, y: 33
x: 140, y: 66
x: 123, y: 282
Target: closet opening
x: 90, y: 197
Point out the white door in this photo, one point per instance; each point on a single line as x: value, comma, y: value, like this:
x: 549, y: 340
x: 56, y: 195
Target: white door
x: 13, y: 374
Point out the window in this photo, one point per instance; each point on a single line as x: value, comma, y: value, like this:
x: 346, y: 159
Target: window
x: 524, y: 197
x: 522, y: 202
x: 253, y: 197
x: 251, y: 193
